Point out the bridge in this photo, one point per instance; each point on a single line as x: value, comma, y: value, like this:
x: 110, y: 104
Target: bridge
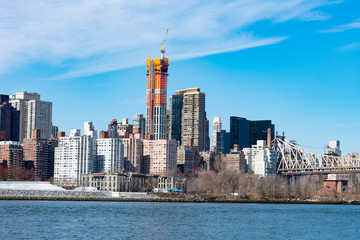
x: 292, y: 160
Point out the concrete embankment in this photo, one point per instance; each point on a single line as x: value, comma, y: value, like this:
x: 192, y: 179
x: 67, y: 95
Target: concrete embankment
x: 146, y: 197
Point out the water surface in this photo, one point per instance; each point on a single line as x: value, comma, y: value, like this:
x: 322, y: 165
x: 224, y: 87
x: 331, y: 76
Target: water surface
x: 136, y: 220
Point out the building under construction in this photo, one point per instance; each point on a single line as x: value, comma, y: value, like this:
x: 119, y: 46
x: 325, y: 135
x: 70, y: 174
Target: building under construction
x: 156, y: 95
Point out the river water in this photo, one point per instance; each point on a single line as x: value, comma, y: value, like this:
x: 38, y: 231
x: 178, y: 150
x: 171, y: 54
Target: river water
x: 137, y: 220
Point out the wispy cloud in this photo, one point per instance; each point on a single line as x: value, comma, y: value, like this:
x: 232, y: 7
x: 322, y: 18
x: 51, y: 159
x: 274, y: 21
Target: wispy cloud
x: 314, y: 16
x: 343, y: 28
x: 97, y: 36
x: 349, y: 47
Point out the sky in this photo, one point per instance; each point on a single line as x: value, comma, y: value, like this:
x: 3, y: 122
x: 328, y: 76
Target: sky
x: 295, y: 62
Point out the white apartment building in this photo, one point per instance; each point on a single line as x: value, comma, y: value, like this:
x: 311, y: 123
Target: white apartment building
x: 89, y: 130
x: 162, y: 156
x: 109, y: 155
x: 74, y: 156
x: 333, y: 148
x: 260, y: 159
x: 34, y: 114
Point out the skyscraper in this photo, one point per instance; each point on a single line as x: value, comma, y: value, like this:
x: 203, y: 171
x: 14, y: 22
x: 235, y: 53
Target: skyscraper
x: 193, y: 120
x: 139, y: 122
x: 216, y: 129
x: 176, y: 106
x: 258, y: 130
x: 34, y: 114
x: 156, y: 96
x: 112, y: 128
x: 9, y: 120
x: 239, y: 132
x: 246, y: 133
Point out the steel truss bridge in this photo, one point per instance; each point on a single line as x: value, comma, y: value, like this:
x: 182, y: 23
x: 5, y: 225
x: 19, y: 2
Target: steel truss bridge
x: 292, y: 160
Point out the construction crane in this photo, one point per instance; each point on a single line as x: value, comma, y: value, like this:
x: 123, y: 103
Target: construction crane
x: 163, y: 44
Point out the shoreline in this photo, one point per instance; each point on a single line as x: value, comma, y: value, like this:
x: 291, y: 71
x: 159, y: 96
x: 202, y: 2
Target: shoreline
x: 177, y: 200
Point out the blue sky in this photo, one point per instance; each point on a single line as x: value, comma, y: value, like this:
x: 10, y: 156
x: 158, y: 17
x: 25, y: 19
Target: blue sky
x: 296, y: 62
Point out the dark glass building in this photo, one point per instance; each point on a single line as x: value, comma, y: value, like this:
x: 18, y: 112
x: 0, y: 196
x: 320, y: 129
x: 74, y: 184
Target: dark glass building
x: 258, y: 130
x: 245, y: 133
x: 9, y: 120
x: 239, y: 132
x: 176, y: 106
x: 223, y: 142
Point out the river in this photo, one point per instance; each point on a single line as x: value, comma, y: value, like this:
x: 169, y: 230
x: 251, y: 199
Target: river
x: 144, y: 220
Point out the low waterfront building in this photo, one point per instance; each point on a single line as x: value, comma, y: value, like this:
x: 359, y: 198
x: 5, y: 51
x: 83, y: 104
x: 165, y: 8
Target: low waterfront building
x: 131, y: 182
x: 336, y: 183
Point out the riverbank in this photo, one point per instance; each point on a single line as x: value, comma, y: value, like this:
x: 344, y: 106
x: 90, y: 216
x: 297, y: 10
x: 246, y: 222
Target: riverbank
x: 153, y: 197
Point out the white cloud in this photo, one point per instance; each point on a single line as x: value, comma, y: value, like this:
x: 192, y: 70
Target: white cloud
x: 99, y: 36
x: 343, y: 28
x: 314, y: 16
x: 349, y: 47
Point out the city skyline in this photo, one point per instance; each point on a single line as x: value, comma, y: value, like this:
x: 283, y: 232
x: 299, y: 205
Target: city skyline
x: 307, y: 83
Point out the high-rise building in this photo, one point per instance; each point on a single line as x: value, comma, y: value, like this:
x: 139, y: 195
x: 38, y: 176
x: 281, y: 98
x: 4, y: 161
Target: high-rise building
x: 109, y: 155
x: 157, y: 69
x: 9, y: 120
x: 206, y: 134
x: 222, y: 142
x: 11, y: 161
x: 259, y: 129
x: 74, y: 156
x: 260, y: 159
x: 176, y: 106
x: 239, y: 132
x: 89, y: 130
x: 112, y: 128
x: 34, y: 114
x: 216, y: 129
x: 40, y: 152
x: 161, y: 156
x: 194, y: 125
x: 54, y: 131
x: 132, y: 153
x: 333, y: 149
x: 246, y: 133
x: 139, y: 122
x: 124, y: 129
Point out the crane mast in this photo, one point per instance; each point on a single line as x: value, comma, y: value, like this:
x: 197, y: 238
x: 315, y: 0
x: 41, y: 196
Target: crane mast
x: 163, y: 45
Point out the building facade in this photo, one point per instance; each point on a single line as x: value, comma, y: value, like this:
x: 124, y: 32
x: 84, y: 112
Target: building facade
x: 11, y: 161
x: 40, y: 152
x: 34, y: 114
x: 176, y: 106
x: 222, y: 142
x: 260, y: 159
x: 74, y: 156
x: 139, y: 122
x: 109, y: 155
x: 161, y: 156
x: 9, y: 120
x: 333, y: 149
x: 157, y: 72
x: 215, y: 130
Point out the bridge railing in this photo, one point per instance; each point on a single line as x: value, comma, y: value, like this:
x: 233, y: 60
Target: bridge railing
x: 293, y: 159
